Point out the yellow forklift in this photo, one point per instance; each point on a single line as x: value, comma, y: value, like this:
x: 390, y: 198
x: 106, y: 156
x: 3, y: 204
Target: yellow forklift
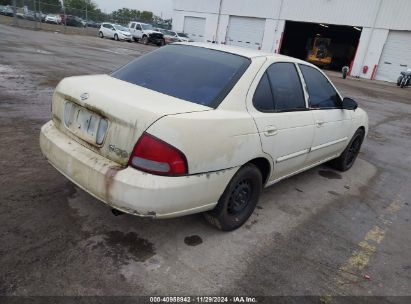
x: 320, y: 54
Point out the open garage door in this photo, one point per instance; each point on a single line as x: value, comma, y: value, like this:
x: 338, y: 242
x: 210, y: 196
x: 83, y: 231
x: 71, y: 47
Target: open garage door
x: 194, y: 27
x: 325, y: 45
x: 245, y: 32
x: 395, y: 57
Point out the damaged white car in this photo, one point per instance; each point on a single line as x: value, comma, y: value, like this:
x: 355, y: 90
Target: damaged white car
x: 198, y: 128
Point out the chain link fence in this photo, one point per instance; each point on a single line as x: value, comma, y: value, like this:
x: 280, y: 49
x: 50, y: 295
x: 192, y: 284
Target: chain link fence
x: 39, y: 15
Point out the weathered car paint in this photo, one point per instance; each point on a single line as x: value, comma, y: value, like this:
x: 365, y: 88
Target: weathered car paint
x: 216, y: 142
x: 127, y: 189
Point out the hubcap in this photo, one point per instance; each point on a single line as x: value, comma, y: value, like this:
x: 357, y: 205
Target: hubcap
x: 353, y: 150
x: 240, y: 197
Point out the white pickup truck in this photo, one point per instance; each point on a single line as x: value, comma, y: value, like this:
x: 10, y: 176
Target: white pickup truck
x: 145, y: 33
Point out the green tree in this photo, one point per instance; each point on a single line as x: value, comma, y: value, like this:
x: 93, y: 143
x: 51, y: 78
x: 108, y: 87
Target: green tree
x: 5, y: 2
x: 49, y: 6
x: 146, y: 16
x: 80, y: 4
x: 125, y: 15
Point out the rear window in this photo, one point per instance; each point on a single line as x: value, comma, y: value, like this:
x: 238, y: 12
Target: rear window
x: 195, y: 74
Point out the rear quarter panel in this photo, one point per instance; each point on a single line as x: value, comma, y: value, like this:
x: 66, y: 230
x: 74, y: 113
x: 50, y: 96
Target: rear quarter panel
x: 212, y: 140
x: 218, y: 139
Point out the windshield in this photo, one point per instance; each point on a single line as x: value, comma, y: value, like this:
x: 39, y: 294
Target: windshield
x: 195, y: 74
x: 120, y: 28
x: 182, y: 35
x: 147, y: 27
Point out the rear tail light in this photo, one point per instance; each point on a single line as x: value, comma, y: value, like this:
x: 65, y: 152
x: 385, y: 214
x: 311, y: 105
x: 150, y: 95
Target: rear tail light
x: 158, y: 157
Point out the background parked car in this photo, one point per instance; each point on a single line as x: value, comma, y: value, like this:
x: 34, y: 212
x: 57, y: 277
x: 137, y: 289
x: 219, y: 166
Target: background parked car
x: 168, y: 35
x: 115, y: 31
x: 7, y: 11
x: 172, y: 36
x: 183, y: 37
x: 75, y: 21
x: 29, y: 16
x: 54, y: 19
x: 146, y: 33
x: 91, y: 23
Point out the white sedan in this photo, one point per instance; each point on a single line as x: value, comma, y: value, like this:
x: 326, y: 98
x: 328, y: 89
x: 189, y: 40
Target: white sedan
x: 114, y: 31
x: 198, y: 128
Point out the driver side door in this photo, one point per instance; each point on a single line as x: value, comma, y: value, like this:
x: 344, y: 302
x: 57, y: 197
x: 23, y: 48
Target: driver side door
x: 139, y: 31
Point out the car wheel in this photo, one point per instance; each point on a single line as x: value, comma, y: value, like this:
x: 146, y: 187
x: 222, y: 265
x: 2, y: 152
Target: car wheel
x: 101, y: 35
x: 238, y: 201
x: 161, y: 43
x: 348, y: 157
x: 144, y: 40
x: 116, y: 37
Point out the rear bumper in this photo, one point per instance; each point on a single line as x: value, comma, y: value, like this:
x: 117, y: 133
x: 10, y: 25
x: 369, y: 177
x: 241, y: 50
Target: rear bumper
x: 128, y: 189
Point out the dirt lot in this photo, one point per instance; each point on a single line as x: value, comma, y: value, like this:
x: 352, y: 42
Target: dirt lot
x: 49, y: 27
x: 318, y: 233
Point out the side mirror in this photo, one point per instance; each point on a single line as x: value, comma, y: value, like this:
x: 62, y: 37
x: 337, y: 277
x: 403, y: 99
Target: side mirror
x: 349, y: 104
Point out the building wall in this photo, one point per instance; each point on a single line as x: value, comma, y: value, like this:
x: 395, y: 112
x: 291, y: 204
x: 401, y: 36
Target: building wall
x: 376, y: 17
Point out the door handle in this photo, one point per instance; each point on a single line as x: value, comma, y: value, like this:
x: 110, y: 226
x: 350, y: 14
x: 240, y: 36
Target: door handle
x: 270, y: 131
x: 319, y: 123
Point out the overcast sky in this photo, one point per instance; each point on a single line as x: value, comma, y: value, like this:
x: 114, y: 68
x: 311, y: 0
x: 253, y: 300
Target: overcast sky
x: 156, y: 6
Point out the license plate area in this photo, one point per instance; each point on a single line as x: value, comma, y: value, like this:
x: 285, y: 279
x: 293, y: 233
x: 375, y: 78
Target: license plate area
x: 85, y: 124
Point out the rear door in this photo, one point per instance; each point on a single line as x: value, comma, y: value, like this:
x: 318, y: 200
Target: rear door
x: 132, y: 28
x: 138, y: 31
x: 105, y: 30
x: 332, y: 123
x: 279, y: 107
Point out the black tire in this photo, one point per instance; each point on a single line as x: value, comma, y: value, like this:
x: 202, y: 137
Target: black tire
x: 399, y: 81
x: 116, y: 37
x: 101, y: 35
x: 144, y: 40
x: 238, y: 201
x: 346, y: 160
x: 161, y: 43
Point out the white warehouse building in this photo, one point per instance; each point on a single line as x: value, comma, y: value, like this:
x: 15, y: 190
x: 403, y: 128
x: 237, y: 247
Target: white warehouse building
x: 371, y: 36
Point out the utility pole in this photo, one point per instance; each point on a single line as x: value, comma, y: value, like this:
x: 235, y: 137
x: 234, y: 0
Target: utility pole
x: 218, y: 22
x: 14, y: 13
x: 35, y: 14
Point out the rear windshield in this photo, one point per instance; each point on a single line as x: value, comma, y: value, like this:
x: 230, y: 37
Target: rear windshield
x: 195, y: 74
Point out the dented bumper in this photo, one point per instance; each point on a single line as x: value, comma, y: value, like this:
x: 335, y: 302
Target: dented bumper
x: 127, y: 189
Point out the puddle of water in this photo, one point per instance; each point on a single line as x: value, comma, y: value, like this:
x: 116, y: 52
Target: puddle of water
x: 193, y: 240
x: 123, y: 246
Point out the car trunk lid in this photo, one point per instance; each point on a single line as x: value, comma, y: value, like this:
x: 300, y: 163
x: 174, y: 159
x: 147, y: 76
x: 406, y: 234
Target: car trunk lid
x: 108, y: 115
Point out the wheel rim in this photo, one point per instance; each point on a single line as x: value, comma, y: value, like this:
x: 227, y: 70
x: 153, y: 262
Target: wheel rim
x: 240, y: 197
x: 353, y: 151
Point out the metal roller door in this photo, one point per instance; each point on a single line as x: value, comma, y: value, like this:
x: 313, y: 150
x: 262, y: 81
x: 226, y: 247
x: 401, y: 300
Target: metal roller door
x: 194, y: 27
x: 245, y: 32
x: 395, y: 57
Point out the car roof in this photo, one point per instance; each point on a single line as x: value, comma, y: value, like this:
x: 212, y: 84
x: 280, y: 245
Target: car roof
x: 249, y: 53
